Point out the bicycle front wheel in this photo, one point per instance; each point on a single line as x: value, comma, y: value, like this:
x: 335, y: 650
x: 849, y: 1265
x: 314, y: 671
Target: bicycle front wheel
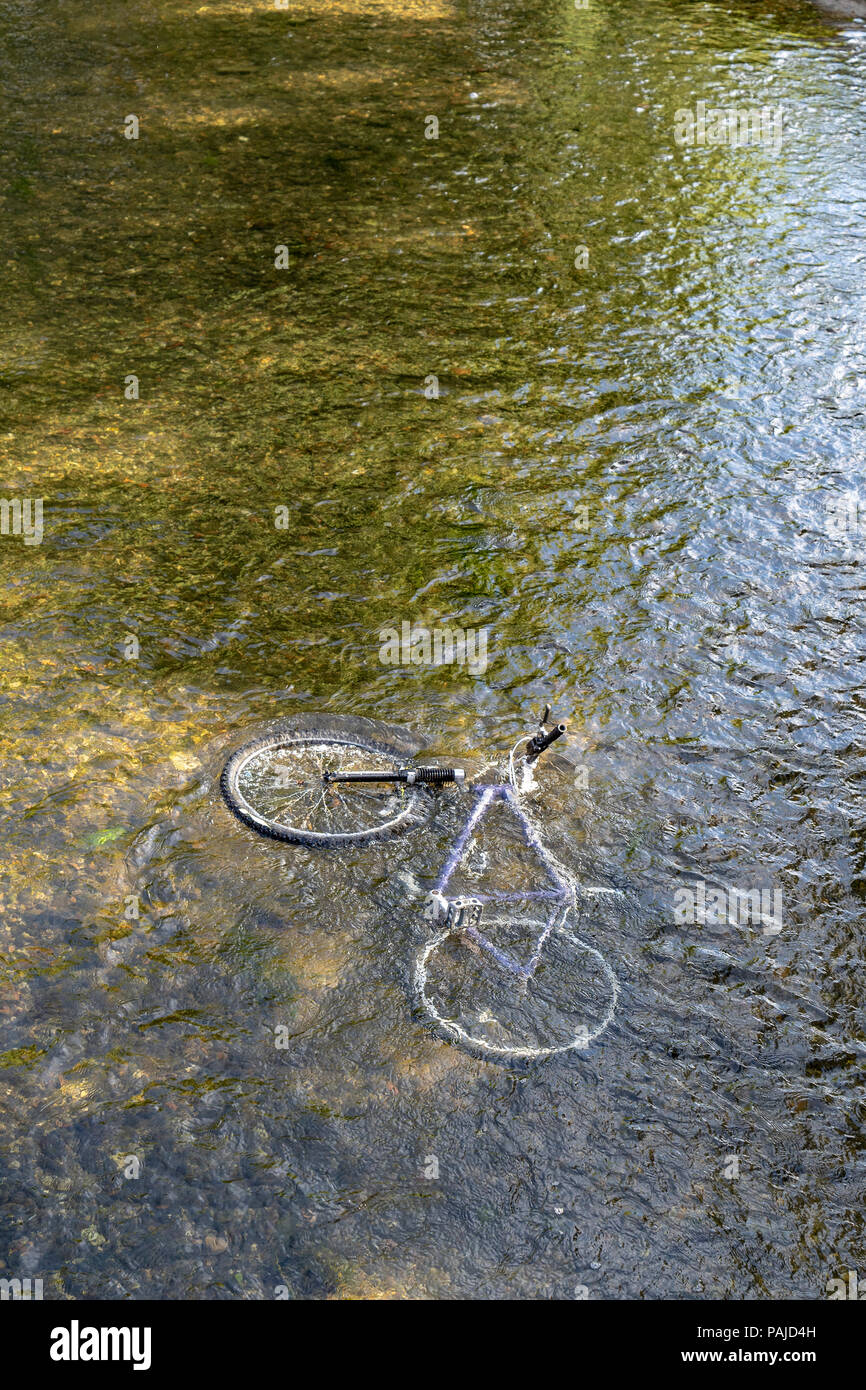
x: 276, y: 786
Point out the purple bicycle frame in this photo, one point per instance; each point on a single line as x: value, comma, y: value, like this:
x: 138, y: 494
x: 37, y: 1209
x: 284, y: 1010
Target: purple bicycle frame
x: 559, y: 895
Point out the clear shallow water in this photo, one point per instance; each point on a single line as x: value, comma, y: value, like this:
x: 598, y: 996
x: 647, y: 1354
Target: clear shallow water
x: 698, y: 389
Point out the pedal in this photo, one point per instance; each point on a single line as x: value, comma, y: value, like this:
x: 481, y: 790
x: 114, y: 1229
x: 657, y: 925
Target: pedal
x: 464, y: 912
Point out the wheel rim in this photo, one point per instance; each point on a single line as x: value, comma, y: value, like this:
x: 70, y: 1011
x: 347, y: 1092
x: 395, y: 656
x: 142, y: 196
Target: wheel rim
x: 279, y: 788
x: 479, y: 1045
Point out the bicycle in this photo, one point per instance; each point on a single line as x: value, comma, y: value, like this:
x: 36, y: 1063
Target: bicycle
x: 327, y: 782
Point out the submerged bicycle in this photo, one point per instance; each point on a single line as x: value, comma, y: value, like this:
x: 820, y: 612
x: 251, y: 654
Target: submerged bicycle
x: 502, y: 973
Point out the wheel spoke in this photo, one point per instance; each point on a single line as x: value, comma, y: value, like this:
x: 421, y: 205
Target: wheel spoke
x: 283, y: 785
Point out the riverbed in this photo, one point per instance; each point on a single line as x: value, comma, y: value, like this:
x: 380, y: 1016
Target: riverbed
x: 289, y: 364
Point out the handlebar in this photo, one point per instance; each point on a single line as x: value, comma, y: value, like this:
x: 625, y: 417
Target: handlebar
x: 410, y: 775
x: 438, y: 776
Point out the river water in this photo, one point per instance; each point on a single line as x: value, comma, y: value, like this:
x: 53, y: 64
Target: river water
x: 552, y: 377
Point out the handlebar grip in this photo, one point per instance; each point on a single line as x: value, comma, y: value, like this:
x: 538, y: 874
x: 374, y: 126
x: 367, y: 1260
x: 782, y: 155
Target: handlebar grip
x: 435, y: 775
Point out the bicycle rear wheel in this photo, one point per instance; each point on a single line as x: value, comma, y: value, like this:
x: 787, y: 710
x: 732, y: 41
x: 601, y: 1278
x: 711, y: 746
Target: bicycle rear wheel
x: 275, y: 786
x: 567, y: 1002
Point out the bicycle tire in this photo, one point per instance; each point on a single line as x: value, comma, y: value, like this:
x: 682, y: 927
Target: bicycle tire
x: 450, y: 1030
x: 342, y: 742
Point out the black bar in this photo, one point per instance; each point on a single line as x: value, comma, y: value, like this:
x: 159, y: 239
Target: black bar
x: 365, y: 776
x: 432, y: 775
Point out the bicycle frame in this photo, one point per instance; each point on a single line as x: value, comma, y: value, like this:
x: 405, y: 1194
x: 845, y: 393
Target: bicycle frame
x: 464, y: 913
